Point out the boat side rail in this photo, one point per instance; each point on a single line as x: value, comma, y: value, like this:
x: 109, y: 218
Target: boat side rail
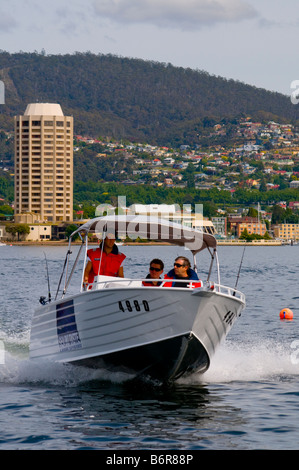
x: 230, y: 291
x: 111, y: 282
x: 128, y: 282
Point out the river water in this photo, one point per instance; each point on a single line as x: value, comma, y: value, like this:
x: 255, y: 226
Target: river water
x: 248, y: 399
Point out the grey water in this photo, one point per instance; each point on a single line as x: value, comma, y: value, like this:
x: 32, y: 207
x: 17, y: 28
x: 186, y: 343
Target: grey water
x: 247, y: 400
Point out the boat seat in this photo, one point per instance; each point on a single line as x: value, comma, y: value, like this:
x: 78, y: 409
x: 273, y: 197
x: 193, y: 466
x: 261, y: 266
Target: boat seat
x: 124, y: 283
x: 103, y: 282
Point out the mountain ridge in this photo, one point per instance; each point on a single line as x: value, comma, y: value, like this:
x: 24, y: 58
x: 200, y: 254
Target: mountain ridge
x: 134, y: 99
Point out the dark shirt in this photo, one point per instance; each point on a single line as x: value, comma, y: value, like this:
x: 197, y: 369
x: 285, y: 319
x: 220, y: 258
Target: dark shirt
x: 181, y: 284
x: 151, y: 283
x: 191, y: 274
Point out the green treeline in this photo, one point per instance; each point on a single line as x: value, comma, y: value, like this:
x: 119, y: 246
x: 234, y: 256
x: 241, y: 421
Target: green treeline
x: 99, y: 193
x: 6, y: 188
x: 90, y: 194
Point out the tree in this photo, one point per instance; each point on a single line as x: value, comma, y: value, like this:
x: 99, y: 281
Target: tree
x: 6, y: 210
x: 189, y: 175
x: 263, y: 186
x: 20, y: 229
x: 267, y: 236
x: 70, y: 229
x: 278, y: 215
x: 245, y: 235
x: 209, y: 209
x: 252, y: 212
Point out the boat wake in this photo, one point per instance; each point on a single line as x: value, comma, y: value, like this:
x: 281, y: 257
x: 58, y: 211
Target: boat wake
x: 16, y: 367
x: 262, y: 360
x: 18, y: 371
x: 245, y: 362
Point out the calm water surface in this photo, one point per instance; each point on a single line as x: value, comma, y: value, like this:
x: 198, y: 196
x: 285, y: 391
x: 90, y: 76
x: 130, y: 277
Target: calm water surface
x: 249, y: 398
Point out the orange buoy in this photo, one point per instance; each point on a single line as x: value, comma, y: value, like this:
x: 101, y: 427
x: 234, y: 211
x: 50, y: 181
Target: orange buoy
x: 286, y: 314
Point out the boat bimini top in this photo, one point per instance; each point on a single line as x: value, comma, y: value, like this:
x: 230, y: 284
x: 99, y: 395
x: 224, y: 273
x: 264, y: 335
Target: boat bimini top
x: 144, y: 227
x: 149, y: 228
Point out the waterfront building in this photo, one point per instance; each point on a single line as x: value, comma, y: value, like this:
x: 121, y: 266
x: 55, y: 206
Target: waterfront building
x: 173, y: 213
x: 220, y: 224
x: 287, y: 232
x: 258, y: 228
x: 44, y: 164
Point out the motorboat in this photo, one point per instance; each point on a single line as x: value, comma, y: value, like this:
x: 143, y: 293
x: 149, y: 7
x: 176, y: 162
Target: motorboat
x: 122, y: 325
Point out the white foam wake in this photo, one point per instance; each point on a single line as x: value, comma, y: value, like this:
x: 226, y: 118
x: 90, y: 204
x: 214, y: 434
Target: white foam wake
x: 249, y: 362
x: 245, y: 361
x: 17, y: 371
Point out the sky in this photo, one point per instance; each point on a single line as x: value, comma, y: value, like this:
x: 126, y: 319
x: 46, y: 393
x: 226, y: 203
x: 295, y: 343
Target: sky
x: 253, y: 41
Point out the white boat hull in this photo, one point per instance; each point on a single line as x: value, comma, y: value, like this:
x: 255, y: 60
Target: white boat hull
x: 159, y: 332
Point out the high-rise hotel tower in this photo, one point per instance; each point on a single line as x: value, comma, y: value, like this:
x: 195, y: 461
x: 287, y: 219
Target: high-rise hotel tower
x: 44, y: 164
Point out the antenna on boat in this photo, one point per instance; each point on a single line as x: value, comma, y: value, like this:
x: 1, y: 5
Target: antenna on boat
x: 48, y: 279
x: 194, y: 263
x: 239, y: 271
x: 43, y: 299
x: 104, y: 234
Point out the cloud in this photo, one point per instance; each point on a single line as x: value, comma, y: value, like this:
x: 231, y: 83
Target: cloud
x: 182, y: 14
x: 265, y: 23
x: 7, y: 22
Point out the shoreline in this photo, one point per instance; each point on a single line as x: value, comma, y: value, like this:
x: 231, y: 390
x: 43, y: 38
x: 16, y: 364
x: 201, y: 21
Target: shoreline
x: 219, y: 243
x: 252, y: 243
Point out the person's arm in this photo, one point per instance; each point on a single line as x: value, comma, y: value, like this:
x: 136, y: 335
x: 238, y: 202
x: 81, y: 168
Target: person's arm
x: 120, y: 272
x: 87, y: 271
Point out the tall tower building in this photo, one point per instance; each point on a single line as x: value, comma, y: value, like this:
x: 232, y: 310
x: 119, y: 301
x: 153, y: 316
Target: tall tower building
x: 44, y: 163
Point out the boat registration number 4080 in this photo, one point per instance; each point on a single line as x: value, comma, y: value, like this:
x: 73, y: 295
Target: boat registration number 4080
x: 131, y: 305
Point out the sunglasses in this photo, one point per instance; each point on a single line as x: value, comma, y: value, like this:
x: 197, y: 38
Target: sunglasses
x: 155, y: 269
x: 177, y: 265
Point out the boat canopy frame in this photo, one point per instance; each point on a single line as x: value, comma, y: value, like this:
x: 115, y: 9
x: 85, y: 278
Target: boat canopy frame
x: 143, y: 227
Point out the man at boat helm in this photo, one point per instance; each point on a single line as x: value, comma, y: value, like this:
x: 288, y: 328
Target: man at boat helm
x: 105, y: 261
x: 182, y: 271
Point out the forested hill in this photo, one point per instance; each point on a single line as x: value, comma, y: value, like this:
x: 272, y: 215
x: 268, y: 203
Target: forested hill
x: 132, y: 98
